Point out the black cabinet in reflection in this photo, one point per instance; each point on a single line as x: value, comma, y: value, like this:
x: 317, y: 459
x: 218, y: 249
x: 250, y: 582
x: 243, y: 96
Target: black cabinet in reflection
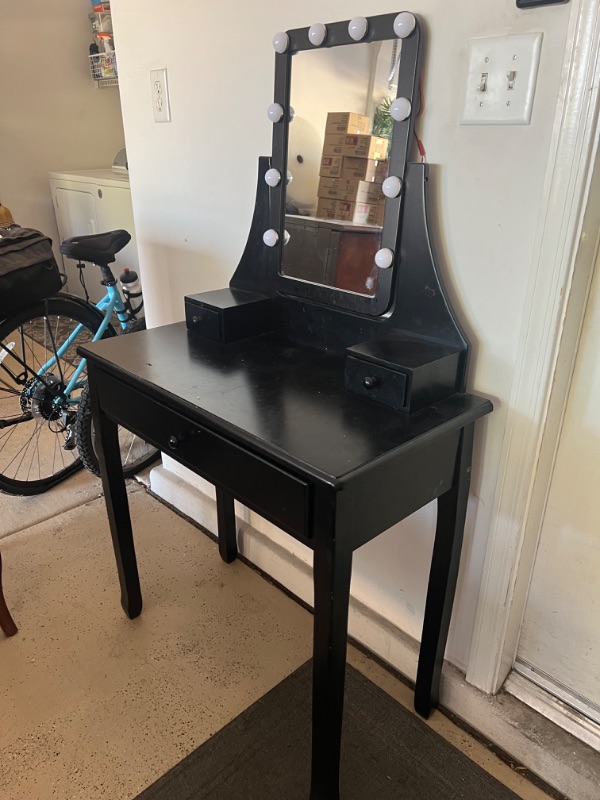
x: 333, y: 253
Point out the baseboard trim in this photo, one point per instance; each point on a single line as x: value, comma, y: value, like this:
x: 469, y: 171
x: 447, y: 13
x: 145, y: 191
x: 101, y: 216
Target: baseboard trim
x: 557, y: 757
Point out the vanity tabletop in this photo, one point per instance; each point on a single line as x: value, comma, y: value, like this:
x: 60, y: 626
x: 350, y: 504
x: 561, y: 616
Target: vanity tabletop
x: 278, y: 398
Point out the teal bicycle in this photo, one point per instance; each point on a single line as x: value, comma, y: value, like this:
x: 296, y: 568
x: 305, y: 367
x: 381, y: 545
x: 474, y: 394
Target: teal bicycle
x: 46, y: 427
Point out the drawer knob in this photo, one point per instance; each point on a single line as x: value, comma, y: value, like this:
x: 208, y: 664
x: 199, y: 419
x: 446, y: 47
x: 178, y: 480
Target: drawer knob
x: 174, y: 442
x: 370, y: 382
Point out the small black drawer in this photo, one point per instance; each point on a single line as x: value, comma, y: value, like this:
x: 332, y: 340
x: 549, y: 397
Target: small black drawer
x: 376, y: 382
x: 228, y: 315
x: 407, y: 374
x: 264, y: 487
x: 203, y: 319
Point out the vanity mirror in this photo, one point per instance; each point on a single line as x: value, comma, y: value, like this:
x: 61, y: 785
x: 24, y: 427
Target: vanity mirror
x: 334, y: 218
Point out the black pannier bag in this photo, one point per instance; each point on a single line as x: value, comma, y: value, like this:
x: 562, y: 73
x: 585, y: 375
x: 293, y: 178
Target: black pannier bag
x: 28, y: 270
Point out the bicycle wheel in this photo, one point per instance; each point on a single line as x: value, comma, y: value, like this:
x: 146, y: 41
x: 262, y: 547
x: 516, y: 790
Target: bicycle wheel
x: 136, y: 454
x: 37, y: 446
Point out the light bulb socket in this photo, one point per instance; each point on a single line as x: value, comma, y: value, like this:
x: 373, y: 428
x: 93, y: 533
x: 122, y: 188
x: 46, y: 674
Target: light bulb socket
x: 270, y: 237
x: 392, y: 186
x: 400, y: 109
x: 275, y: 112
x: 404, y: 24
x: 281, y: 42
x: 272, y: 177
x: 384, y: 258
x: 317, y: 34
x: 358, y: 27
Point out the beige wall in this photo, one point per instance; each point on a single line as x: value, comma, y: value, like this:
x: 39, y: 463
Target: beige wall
x: 193, y: 187
x: 51, y: 115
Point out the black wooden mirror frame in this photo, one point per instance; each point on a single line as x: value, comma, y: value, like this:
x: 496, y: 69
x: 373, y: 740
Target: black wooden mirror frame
x: 381, y: 28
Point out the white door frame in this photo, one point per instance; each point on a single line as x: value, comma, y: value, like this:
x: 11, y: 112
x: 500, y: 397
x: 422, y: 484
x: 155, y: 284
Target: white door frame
x: 563, y: 260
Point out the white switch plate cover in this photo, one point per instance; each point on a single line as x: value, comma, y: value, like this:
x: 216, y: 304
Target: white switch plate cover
x: 160, y: 95
x: 488, y: 99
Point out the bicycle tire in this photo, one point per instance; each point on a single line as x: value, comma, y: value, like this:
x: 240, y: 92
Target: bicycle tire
x: 136, y: 454
x: 33, y: 458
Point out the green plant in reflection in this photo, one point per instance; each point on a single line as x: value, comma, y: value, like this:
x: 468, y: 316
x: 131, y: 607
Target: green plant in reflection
x: 382, y: 120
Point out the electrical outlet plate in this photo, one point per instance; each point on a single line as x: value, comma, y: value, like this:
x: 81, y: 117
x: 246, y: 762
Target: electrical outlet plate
x: 160, y: 95
x: 501, y: 80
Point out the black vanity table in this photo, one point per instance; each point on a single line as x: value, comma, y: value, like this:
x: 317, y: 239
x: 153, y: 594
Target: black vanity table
x: 332, y: 414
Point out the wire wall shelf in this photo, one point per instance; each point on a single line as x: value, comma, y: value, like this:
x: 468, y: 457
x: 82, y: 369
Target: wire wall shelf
x: 103, y: 69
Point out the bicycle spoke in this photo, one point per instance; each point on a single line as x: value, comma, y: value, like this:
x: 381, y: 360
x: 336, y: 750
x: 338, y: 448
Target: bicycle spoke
x: 54, y: 348
x: 37, y: 449
x: 5, y: 437
x: 23, y: 450
x: 126, y: 458
x: 8, y: 389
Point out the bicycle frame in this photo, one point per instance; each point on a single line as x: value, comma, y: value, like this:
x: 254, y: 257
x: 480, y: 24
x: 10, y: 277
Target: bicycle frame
x: 45, y: 407
x: 111, y: 302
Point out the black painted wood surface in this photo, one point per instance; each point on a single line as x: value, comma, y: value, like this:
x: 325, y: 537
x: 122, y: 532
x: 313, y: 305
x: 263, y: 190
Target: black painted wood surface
x: 283, y: 399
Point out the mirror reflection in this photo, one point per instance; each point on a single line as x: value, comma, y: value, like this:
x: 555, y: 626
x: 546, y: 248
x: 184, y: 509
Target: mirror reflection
x: 337, y: 154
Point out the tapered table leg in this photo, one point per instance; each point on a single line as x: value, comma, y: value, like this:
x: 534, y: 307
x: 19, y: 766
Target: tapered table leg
x: 332, y: 572
x: 227, y: 529
x: 117, y: 506
x: 452, y: 510
x: 6, y: 621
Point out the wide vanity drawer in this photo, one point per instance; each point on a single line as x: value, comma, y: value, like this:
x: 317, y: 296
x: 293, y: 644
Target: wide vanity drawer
x: 264, y: 487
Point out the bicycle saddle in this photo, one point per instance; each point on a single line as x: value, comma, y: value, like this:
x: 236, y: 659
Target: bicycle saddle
x: 100, y: 248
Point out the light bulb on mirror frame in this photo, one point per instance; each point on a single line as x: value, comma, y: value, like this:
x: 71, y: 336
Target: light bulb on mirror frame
x: 384, y: 258
x: 404, y: 24
x: 291, y: 114
x: 286, y: 237
x: 317, y: 34
x: 358, y: 27
x: 281, y: 42
x: 272, y: 177
x: 400, y: 109
x: 275, y: 112
x: 290, y: 178
x: 392, y: 186
x: 270, y: 237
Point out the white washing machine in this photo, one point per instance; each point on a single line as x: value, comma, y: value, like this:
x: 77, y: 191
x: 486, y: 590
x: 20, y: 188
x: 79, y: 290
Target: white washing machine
x: 93, y: 201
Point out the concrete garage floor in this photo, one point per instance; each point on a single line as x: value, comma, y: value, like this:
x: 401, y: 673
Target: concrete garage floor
x: 96, y: 706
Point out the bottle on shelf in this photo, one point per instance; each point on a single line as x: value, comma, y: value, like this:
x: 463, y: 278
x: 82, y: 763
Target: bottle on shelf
x: 106, y: 41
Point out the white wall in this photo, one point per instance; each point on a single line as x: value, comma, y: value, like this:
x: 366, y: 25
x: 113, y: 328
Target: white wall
x: 193, y: 191
x: 51, y: 115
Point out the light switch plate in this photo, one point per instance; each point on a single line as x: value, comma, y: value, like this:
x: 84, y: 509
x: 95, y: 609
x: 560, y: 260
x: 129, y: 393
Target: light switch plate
x: 501, y: 80
x: 160, y: 95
